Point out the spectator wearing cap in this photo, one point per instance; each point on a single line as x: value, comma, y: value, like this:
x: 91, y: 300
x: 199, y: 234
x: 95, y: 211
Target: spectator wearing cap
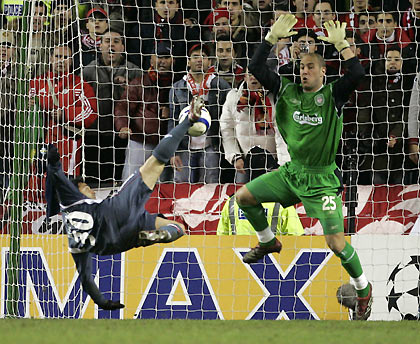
x: 109, y: 74
x: 142, y: 112
x: 197, y: 159
x: 8, y: 86
x: 218, y: 22
x: 226, y: 66
x: 96, y: 25
x: 167, y: 24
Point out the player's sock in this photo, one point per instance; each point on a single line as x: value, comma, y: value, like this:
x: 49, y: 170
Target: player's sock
x: 266, y: 237
x: 350, y: 261
x: 167, y: 147
x: 256, y: 216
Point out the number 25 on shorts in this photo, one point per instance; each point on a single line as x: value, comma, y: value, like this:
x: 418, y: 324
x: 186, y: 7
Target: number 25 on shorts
x: 328, y: 203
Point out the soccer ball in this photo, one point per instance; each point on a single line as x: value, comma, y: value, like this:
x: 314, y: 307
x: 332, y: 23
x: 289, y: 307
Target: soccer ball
x: 201, y: 126
x: 403, y: 290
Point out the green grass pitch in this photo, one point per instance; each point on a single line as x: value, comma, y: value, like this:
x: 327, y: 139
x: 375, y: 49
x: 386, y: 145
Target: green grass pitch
x: 206, y: 331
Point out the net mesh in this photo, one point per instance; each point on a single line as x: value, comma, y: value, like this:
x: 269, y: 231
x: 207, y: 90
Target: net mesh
x: 105, y: 81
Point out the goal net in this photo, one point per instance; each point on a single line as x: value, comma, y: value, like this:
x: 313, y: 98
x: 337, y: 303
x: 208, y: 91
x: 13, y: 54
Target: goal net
x: 105, y: 81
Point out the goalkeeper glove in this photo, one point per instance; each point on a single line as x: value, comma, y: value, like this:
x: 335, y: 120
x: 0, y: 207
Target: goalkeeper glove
x: 281, y: 28
x: 336, y: 34
x: 110, y: 305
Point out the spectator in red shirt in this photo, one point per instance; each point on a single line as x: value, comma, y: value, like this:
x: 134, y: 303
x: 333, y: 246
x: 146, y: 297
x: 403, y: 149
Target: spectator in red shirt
x: 389, y: 34
x: 303, y: 13
x: 69, y: 105
x: 218, y: 25
x: 352, y: 18
x: 96, y: 25
x: 143, y: 105
x: 367, y: 26
x: 324, y: 11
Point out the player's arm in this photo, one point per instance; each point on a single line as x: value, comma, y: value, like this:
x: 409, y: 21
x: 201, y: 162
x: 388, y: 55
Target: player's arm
x: 258, y: 67
x: 343, y: 88
x: 84, y: 268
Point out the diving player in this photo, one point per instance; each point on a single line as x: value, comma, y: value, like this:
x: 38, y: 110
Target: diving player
x: 309, y: 117
x: 119, y: 223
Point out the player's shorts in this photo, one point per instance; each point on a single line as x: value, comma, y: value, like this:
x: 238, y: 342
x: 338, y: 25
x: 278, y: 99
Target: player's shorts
x: 129, y: 210
x: 319, y: 189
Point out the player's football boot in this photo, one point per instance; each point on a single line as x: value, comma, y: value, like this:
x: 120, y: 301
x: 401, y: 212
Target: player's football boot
x: 147, y: 238
x: 259, y: 252
x: 195, y: 109
x: 364, y: 306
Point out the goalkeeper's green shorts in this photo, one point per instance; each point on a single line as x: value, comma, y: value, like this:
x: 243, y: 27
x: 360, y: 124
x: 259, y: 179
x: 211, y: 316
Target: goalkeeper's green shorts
x: 319, y: 189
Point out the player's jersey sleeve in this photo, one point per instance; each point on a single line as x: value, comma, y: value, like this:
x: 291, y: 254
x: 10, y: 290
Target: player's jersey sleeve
x: 84, y: 268
x: 345, y: 86
x: 258, y: 67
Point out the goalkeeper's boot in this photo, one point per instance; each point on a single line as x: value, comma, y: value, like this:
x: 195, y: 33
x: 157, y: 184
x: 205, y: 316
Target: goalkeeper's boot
x: 147, y: 238
x: 195, y: 109
x: 364, y: 306
x: 259, y: 252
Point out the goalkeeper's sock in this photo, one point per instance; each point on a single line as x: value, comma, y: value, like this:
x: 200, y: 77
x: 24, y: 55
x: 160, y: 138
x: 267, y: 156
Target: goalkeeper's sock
x: 350, y: 261
x: 255, y: 214
x: 266, y: 237
x: 167, y: 147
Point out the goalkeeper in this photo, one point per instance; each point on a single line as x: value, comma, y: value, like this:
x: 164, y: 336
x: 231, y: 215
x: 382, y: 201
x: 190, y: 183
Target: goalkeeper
x: 309, y: 117
x: 119, y: 223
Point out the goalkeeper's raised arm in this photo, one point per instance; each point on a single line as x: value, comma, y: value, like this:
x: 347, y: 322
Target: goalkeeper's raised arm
x: 354, y: 71
x: 280, y: 29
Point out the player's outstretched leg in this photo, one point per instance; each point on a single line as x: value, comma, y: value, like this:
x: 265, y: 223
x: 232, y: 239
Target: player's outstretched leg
x: 255, y: 214
x: 167, y: 231
x: 166, y: 148
x: 351, y: 263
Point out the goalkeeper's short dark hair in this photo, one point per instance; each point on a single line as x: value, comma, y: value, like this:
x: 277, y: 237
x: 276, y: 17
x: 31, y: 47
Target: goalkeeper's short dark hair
x: 319, y: 59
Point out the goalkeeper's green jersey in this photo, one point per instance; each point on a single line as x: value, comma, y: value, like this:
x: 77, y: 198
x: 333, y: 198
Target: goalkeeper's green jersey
x: 309, y: 123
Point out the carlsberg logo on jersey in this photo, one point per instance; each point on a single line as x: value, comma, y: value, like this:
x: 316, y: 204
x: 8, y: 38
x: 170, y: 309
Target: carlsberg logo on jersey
x: 301, y: 118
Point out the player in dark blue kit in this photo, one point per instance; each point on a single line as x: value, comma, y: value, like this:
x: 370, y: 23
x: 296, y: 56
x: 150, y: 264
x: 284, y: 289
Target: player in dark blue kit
x: 119, y: 223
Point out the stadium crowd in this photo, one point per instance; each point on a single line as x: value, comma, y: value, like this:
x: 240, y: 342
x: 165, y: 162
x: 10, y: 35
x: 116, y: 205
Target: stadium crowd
x: 110, y: 78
